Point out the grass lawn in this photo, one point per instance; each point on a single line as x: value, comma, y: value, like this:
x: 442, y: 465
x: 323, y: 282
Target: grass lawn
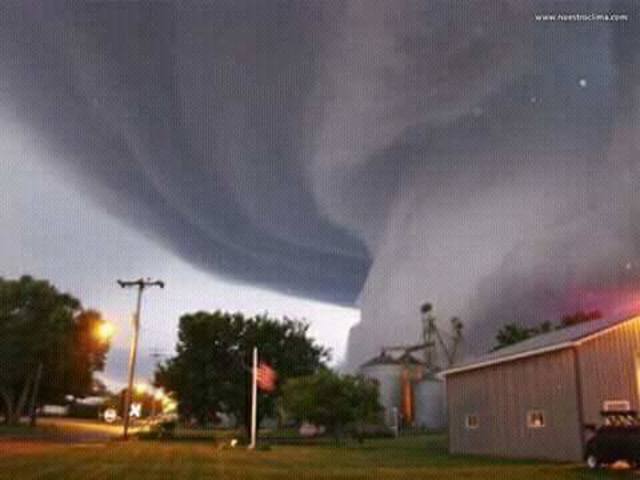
x: 406, y: 458
x: 24, y: 432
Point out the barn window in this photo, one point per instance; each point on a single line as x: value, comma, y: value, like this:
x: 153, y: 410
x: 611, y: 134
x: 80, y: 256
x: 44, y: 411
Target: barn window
x: 616, y: 405
x: 471, y: 421
x: 535, y: 419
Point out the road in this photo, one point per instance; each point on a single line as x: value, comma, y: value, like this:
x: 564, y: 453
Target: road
x: 80, y: 430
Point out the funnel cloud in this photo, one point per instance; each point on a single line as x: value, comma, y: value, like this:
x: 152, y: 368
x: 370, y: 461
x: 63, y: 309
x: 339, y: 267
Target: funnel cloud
x: 382, y: 153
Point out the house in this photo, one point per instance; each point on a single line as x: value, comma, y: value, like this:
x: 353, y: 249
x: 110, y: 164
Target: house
x: 533, y: 399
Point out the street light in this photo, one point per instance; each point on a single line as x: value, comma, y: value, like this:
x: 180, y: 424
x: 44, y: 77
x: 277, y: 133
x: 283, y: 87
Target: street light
x: 140, y: 284
x: 141, y: 388
x: 105, y: 331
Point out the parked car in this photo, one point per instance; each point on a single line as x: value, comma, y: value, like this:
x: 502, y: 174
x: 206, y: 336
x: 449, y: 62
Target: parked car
x: 617, y: 439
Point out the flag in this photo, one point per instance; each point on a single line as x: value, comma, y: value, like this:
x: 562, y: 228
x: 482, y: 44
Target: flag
x: 266, y: 377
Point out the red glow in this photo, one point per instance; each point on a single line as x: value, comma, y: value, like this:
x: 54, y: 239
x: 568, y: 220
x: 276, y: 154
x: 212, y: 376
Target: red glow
x: 611, y: 301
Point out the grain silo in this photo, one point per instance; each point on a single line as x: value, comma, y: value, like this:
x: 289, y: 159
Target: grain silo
x: 430, y: 404
x: 410, y: 392
x: 404, y: 390
x: 387, y: 372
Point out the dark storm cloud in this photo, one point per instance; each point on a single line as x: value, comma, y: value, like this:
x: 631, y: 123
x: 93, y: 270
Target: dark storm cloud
x: 454, y: 151
x: 188, y: 121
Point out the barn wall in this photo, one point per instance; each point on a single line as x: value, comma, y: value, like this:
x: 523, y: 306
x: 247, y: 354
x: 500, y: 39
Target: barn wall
x: 608, y: 366
x: 502, y: 394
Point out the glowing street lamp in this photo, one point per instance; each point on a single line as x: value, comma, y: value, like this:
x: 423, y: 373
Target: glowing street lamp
x: 105, y: 331
x: 141, y: 388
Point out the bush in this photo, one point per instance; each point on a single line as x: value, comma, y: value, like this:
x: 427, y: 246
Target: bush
x: 346, y: 400
x: 165, y: 429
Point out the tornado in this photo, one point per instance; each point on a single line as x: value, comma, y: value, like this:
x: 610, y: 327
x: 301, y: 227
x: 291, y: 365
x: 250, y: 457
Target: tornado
x: 381, y: 154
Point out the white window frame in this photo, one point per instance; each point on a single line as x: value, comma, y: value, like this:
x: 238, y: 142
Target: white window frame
x: 534, y: 412
x: 616, y: 405
x: 471, y: 425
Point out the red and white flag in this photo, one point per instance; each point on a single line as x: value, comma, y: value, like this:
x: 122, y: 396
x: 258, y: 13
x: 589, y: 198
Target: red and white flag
x: 266, y: 377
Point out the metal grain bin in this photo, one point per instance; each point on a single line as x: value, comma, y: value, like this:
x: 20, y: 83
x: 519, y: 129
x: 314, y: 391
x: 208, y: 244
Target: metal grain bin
x: 386, y: 371
x: 430, y: 406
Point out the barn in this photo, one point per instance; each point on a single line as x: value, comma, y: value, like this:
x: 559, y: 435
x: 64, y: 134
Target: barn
x: 533, y: 399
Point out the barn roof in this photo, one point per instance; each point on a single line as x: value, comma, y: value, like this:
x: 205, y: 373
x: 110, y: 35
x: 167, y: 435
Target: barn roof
x: 547, y: 342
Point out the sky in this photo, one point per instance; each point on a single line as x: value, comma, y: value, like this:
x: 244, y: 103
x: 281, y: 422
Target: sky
x: 56, y: 232
x: 369, y: 154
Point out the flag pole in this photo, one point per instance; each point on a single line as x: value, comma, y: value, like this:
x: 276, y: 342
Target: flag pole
x: 254, y: 399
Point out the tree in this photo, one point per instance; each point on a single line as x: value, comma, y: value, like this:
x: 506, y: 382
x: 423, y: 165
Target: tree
x: 579, y: 317
x: 71, y: 372
x: 211, y: 370
x: 512, y: 333
x: 326, y: 398
x: 45, y: 345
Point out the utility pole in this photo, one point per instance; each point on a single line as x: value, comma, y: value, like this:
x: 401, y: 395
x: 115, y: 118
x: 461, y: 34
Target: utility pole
x: 141, y: 284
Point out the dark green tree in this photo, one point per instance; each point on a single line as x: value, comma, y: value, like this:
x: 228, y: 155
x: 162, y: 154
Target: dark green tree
x: 335, y: 401
x: 210, y: 372
x: 71, y: 371
x: 580, y: 317
x: 512, y: 333
x: 45, y: 345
